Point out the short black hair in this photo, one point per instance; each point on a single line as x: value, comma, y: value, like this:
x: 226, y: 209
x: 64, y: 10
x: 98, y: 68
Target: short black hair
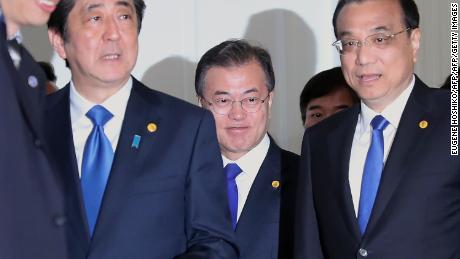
x: 409, y: 8
x: 322, y: 84
x: 231, y: 53
x: 49, y: 70
x: 58, y: 19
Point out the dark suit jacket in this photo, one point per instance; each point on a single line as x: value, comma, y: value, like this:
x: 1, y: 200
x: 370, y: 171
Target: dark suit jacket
x: 258, y: 230
x: 417, y: 209
x: 163, y: 198
x: 32, y: 208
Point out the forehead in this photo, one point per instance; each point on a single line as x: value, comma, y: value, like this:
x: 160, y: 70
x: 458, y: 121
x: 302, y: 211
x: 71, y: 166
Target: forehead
x: 90, y: 5
x: 369, y: 16
x: 239, y: 79
x: 337, y: 97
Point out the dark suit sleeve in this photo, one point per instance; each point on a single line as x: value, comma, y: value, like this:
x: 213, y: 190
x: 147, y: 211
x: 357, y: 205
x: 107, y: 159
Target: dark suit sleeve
x: 307, y: 241
x: 208, y: 225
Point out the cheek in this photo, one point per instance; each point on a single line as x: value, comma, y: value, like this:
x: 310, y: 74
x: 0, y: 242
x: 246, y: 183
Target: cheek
x: 220, y: 124
x: 348, y: 65
x: 260, y: 121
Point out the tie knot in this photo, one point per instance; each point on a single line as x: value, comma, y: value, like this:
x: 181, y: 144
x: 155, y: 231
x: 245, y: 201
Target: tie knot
x: 13, y: 43
x: 232, y: 170
x: 379, y: 123
x: 99, y: 115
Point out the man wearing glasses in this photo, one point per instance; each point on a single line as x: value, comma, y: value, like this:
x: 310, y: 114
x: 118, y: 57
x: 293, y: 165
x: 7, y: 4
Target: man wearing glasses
x: 235, y: 81
x: 383, y: 181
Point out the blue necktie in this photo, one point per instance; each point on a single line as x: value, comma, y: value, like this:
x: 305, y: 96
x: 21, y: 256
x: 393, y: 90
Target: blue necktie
x: 372, y: 172
x: 232, y: 170
x: 96, y: 164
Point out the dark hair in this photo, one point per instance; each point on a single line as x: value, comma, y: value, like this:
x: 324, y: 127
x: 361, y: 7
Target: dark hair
x: 58, y: 19
x: 233, y: 53
x: 49, y: 70
x: 409, y: 8
x: 322, y: 84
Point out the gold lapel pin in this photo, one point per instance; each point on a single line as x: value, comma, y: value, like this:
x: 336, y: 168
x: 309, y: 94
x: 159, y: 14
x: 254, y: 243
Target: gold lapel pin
x: 423, y: 124
x: 275, y: 184
x: 152, y: 127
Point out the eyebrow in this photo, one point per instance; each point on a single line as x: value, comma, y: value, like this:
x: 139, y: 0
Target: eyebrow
x: 252, y: 90
x: 375, y: 30
x: 314, y: 107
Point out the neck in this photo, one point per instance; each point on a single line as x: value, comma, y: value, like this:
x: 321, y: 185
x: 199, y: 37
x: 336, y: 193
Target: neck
x: 232, y: 155
x: 11, y: 28
x: 97, y: 93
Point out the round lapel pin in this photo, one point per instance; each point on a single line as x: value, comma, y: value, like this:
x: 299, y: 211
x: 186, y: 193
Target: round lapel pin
x: 152, y: 127
x: 423, y: 124
x: 276, y: 184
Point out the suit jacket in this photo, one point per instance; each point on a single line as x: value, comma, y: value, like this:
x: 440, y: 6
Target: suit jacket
x: 267, y: 208
x: 416, y: 213
x: 166, y: 197
x: 32, y: 205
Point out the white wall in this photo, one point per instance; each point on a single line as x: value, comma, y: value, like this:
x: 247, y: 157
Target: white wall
x: 298, y: 34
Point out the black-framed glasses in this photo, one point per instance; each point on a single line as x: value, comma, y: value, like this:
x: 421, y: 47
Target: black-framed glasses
x: 379, y: 40
x: 223, y: 105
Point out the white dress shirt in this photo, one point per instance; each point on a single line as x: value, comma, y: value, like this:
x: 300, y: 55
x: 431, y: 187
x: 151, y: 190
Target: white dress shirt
x: 363, y: 136
x: 82, y: 125
x: 250, y: 164
x: 14, y: 54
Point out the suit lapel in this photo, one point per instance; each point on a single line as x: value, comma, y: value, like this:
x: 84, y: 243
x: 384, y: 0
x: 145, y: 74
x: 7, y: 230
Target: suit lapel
x: 127, y: 161
x: 263, y: 197
x: 339, y: 146
x: 408, y: 140
x: 30, y: 91
x: 60, y: 140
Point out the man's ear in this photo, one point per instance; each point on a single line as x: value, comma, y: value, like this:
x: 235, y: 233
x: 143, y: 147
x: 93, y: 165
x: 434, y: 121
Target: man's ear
x: 200, y: 101
x: 415, y: 42
x: 57, y: 42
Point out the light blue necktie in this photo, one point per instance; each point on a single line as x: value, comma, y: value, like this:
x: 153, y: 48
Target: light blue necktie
x: 232, y: 170
x: 372, y: 172
x: 96, y: 164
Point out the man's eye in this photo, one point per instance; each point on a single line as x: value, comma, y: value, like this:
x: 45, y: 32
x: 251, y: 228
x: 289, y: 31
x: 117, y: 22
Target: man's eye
x: 125, y: 17
x: 221, y: 101
x: 95, y: 18
x: 350, y: 43
x: 252, y: 100
x: 381, y: 39
x: 316, y: 115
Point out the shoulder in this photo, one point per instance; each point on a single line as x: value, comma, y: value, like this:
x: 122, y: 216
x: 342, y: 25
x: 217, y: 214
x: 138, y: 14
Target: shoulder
x: 289, y: 160
x: 432, y: 98
x: 57, y: 97
x: 338, y: 122
x: 289, y: 157
x: 173, y: 104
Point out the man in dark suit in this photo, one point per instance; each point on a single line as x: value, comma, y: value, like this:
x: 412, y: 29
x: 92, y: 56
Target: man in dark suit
x: 31, y: 218
x: 235, y: 81
x: 142, y: 169
x: 383, y: 180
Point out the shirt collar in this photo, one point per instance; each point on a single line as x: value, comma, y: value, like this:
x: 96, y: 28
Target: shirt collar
x: 251, y: 161
x: 116, y: 103
x: 392, y: 113
x: 17, y: 36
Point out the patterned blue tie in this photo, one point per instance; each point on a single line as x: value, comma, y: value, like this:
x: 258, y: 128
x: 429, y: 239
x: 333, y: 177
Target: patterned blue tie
x: 232, y: 170
x: 96, y: 164
x: 372, y: 172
